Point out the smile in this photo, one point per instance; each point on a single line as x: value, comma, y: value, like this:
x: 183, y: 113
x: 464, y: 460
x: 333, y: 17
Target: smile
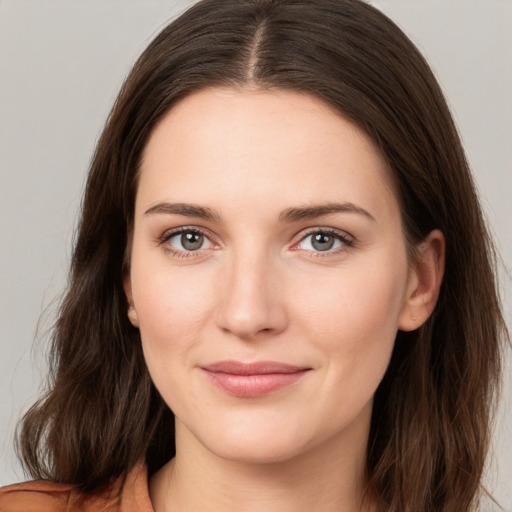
x: 254, y: 379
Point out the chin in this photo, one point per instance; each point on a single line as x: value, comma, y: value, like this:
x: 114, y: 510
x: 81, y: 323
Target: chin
x: 251, y: 444
x: 256, y: 452
x: 257, y: 443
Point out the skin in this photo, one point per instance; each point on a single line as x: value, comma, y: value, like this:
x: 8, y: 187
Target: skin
x: 258, y: 289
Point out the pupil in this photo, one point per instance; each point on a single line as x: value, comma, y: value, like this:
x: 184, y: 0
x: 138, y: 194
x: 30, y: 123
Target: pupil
x: 192, y: 241
x: 322, y: 242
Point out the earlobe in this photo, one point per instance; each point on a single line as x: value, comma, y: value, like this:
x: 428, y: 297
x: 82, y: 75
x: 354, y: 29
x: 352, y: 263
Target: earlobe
x: 425, y: 278
x: 132, y: 312
x: 132, y: 315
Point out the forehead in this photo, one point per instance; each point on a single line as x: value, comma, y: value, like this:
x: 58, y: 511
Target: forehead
x: 226, y: 146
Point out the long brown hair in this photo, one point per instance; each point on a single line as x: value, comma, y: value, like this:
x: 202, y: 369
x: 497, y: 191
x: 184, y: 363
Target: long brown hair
x: 430, y: 424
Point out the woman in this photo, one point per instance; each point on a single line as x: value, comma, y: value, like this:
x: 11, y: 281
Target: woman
x: 280, y: 243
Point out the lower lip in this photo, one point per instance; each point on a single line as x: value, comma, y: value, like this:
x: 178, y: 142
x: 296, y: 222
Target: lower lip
x: 252, y: 386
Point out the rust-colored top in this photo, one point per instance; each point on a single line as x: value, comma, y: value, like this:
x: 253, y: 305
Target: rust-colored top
x: 126, y: 494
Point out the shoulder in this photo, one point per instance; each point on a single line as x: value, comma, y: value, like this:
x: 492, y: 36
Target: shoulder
x: 31, y: 496
x: 128, y: 493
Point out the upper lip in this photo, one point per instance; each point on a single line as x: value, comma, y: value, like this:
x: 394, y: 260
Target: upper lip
x: 256, y: 368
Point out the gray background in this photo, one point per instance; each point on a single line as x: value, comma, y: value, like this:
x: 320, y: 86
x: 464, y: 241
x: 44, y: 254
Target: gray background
x: 61, y: 64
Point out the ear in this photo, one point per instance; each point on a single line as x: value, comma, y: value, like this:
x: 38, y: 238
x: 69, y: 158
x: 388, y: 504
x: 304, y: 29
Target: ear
x: 132, y: 312
x: 424, y: 283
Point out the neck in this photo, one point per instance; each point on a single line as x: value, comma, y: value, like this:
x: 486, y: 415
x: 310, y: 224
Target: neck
x: 326, y: 478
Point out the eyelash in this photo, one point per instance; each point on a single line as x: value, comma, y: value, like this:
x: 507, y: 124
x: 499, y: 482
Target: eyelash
x: 341, y: 236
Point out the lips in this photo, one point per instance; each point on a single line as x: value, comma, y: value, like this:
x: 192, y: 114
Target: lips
x: 251, y: 380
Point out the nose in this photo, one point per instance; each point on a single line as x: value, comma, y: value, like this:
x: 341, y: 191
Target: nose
x: 251, y: 301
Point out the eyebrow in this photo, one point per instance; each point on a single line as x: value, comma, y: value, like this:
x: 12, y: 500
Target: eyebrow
x: 311, y: 212
x: 185, y: 209
x: 286, y: 216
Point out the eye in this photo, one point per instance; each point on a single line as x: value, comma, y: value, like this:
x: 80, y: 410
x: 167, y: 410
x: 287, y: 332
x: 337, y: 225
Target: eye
x: 324, y: 240
x: 186, y: 240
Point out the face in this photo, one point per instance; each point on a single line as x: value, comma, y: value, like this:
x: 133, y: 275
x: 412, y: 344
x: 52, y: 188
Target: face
x: 268, y: 272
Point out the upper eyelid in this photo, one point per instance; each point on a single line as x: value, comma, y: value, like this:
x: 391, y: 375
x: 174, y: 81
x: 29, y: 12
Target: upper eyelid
x: 303, y: 232
x: 332, y: 231
x: 169, y: 233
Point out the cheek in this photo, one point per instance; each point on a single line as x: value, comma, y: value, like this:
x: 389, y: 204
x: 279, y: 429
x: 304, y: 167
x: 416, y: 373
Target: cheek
x: 353, y: 315
x: 355, y: 306
x: 353, y: 324
x: 172, y: 310
x: 172, y: 314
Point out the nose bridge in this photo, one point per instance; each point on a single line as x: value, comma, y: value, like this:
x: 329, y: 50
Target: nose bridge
x: 252, y: 302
